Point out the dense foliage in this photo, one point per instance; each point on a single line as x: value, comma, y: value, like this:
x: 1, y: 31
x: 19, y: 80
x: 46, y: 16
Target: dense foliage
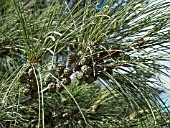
x: 75, y: 65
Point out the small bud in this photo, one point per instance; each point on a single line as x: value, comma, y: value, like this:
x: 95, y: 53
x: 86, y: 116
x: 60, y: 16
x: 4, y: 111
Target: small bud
x: 71, y: 58
x: 66, y: 81
x: 59, y: 87
x: 80, y: 76
x: 67, y: 72
x: 24, y: 78
x: 61, y: 67
x: 48, y: 79
x: 87, y: 70
x: 85, y: 61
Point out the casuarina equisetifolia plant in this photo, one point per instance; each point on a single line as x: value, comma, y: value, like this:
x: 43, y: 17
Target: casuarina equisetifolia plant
x: 75, y: 65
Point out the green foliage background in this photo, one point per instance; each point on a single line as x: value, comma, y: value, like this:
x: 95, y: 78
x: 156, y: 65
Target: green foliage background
x: 133, y: 39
